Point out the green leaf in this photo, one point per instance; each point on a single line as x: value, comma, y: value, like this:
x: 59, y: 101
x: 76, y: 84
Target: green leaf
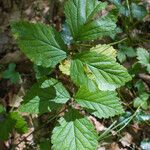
x: 102, y: 104
x: 20, y: 123
x: 42, y: 44
x: 45, y: 145
x: 40, y: 71
x: 44, y: 97
x: 74, y: 132
x: 138, y: 11
x: 125, y: 51
x: 6, y: 126
x: 11, y: 74
x: 91, y: 68
x: 11, y: 121
x: 82, y: 21
x: 144, y: 58
x: 141, y: 101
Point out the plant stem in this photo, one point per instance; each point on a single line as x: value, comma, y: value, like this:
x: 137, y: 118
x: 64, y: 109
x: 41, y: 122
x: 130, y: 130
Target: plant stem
x: 114, y: 43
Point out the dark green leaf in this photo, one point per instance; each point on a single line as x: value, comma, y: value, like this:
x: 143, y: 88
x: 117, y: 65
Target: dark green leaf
x: 41, y: 43
x: 81, y: 19
x: 11, y: 74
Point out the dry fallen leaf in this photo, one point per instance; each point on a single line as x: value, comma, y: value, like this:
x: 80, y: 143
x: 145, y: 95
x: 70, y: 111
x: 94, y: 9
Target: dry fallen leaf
x: 126, y: 140
x: 99, y: 127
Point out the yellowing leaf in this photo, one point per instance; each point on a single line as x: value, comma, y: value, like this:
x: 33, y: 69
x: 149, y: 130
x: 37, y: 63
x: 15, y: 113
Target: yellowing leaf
x: 65, y: 67
x: 105, y: 50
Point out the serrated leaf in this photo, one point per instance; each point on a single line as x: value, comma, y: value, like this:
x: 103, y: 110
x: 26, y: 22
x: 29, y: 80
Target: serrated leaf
x: 65, y: 67
x: 74, y: 132
x: 141, y: 101
x: 105, y: 50
x: 42, y: 44
x: 143, y: 56
x: 80, y: 18
x: 20, y: 123
x: 102, y: 104
x: 44, y: 97
x: 98, y: 69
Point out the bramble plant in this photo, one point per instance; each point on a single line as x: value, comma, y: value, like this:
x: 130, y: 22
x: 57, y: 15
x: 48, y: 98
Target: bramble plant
x: 92, y: 72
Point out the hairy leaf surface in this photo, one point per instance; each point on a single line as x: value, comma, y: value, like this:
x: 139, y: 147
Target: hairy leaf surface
x: 74, y: 132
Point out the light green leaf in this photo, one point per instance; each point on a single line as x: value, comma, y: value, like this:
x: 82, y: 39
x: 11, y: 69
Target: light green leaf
x: 65, y: 67
x: 11, y: 74
x: 41, y: 43
x: 143, y: 56
x: 74, y: 133
x: 141, y: 101
x: 82, y: 22
x: 99, y: 69
x: 44, y: 97
x: 62, y: 95
x: 20, y: 123
x: 102, y: 104
x: 105, y: 50
x: 138, y: 11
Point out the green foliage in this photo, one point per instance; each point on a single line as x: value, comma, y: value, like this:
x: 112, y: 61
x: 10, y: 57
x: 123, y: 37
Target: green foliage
x: 94, y: 71
x: 41, y: 43
x: 141, y: 101
x: 80, y: 18
x: 44, y: 97
x: 144, y: 58
x: 10, y: 121
x: 99, y: 69
x: 74, y: 132
x: 102, y: 104
x: 11, y: 74
x: 125, y: 52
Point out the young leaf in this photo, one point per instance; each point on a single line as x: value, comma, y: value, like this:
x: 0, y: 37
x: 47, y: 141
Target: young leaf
x: 144, y: 58
x: 65, y: 67
x: 20, y: 123
x: 142, y: 101
x: 102, y: 104
x: 74, y: 132
x: 105, y: 50
x: 41, y: 43
x: 12, y: 121
x: 102, y: 70
x: 138, y: 11
x: 11, y: 74
x: 44, y: 97
x: 80, y: 18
